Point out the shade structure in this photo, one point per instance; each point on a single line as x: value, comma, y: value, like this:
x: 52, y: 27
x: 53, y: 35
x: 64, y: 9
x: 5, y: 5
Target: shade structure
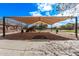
x: 40, y: 22
x: 49, y: 20
x: 46, y: 19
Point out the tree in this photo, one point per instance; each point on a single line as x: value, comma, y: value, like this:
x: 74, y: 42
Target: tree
x: 68, y: 26
x: 41, y: 27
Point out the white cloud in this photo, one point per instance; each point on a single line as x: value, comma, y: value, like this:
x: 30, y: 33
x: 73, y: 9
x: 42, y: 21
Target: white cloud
x: 45, y: 6
x: 48, y: 7
x: 36, y: 13
x: 42, y: 7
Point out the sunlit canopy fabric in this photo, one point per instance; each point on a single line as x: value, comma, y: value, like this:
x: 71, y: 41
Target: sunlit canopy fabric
x: 48, y: 19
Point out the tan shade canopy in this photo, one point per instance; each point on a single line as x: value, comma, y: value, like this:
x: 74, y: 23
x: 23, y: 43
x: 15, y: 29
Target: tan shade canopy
x: 48, y: 20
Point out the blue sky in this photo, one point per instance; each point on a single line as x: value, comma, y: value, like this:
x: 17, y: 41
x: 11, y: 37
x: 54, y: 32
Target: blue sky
x: 16, y: 9
x: 23, y: 9
x: 30, y: 9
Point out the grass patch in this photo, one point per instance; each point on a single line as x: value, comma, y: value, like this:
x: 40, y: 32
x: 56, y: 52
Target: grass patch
x: 69, y: 31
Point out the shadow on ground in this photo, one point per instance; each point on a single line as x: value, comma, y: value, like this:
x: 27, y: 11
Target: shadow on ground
x: 35, y: 36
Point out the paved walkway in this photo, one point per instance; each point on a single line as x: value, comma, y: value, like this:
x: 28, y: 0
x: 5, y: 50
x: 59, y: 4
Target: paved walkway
x: 39, y: 48
x: 20, y: 47
x: 10, y: 33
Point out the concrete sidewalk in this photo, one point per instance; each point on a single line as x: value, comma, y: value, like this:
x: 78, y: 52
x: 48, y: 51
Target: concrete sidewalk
x: 39, y: 48
x: 10, y: 33
x: 20, y: 47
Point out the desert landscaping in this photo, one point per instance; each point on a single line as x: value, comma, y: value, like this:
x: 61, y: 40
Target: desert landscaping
x: 39, y: 47
x: 38, y: 40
